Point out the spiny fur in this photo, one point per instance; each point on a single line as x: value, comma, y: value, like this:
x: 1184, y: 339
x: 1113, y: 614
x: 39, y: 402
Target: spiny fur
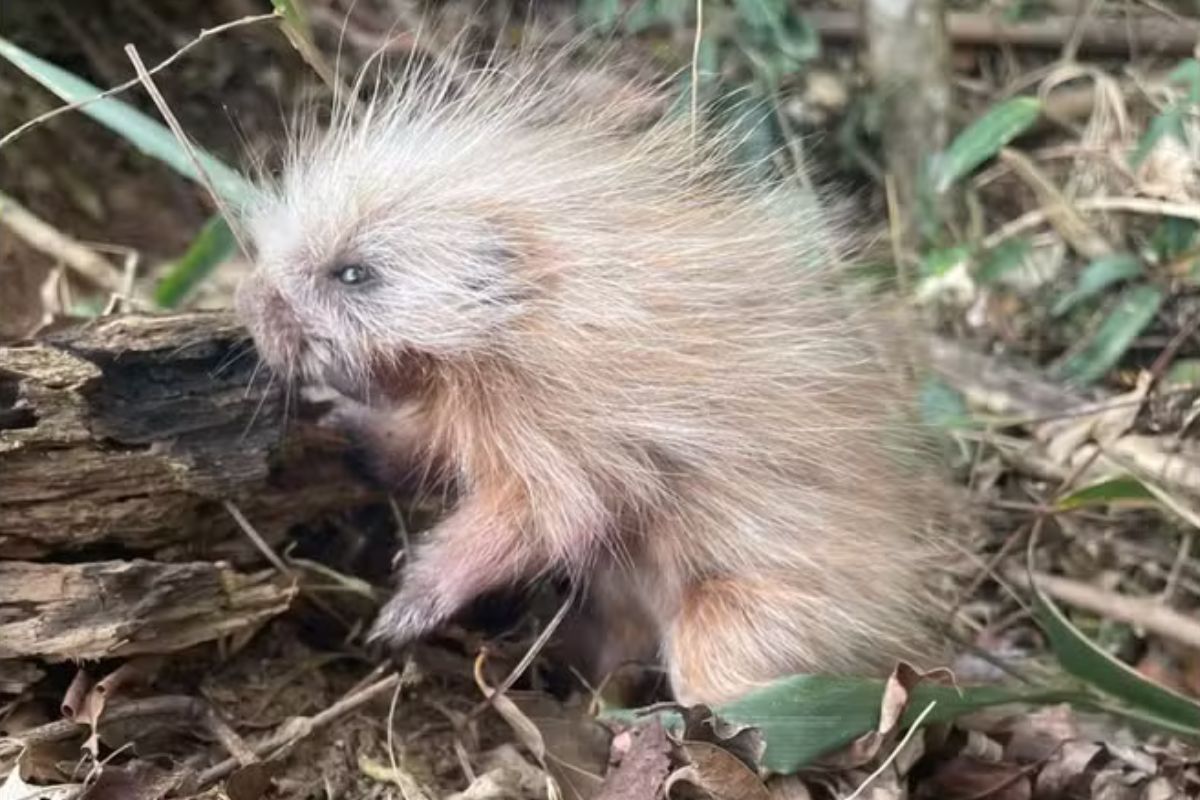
x: 637, y: 363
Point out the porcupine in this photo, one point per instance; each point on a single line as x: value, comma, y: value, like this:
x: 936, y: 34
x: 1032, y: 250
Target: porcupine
x: 637, y: 365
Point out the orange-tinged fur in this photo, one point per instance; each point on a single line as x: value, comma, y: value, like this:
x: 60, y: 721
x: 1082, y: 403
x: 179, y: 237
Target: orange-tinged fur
x: 638, y: 366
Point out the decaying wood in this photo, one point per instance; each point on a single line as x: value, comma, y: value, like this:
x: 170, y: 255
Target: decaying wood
x: 124, y: 608
x: 133, y: 430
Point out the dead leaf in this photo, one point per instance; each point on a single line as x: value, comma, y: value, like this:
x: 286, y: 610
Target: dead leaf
x: 524, y: 728
x: 14, y: 788
x: 1066, y: 769
x: 700, y: 724
x: 719, y: 772
x: 250, y: 781
x: 896, y: 692
x: 75, y: 698
x: 788, y: 787
x: 138, y: 781
x: 970, y: 778
x: 395, y: 774
x: 644, y: 765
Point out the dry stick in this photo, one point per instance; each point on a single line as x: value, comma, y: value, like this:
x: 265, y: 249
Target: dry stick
x: 1103, y: 35
x: 129, y: 84
x: 1133, y: 205
x: 59, y: 730
x: 186, y: 144
x: 1147, y: 613
x: 530, y: 654
x: 42, y: 236
x: 892, y: 756
x: 298, y: 728
x: 257, y: 540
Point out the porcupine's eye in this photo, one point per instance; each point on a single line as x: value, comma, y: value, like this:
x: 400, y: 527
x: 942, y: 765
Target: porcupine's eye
x: 352, y: 274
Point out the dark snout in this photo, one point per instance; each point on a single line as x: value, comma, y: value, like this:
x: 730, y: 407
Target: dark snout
x: 271, y: 321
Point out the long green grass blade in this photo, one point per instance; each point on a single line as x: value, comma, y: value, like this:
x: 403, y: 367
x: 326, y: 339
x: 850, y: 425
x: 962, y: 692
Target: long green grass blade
x: 1083, y: 659
x: 144, y: 133
x: 1134, y: 312
x: 983, y: 139
x: 211, y: 247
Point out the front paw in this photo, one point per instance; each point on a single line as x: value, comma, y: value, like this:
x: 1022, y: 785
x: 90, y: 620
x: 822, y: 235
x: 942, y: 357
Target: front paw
x: 408, y: 616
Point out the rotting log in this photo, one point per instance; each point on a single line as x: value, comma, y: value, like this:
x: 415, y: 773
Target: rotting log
x: 125, y: 608
x: 131, y: 431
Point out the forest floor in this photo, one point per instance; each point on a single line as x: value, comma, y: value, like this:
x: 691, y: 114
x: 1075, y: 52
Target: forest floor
x: 1065, y: 306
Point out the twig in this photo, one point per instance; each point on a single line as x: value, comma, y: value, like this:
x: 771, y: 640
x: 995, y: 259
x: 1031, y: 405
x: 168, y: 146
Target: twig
x: 169, y: 117
x: 234, y: 744
x: 530, y: 654
x: 301, y: 727
x: 42, y: 236
x: 256, y: 539
x: 129, y: 84
x: 59, y: 730
x: 1132, y: 205
x: 1147, y: 613
x: 1102, y: 35
x: 887, y: 762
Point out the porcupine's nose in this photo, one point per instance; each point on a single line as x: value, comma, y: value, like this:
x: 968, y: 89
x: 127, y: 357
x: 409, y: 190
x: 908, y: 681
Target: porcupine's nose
x: 271, y: 320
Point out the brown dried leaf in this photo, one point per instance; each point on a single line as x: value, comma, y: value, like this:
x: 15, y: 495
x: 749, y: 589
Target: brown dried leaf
x: 75, y: 698
x: 1066, y: 770
x: 250, y: 781
x: 970, y: 778
x: 644, y: 765
x: 719, y: 772
x: 744, y: 742
x: 896, y: 693
x: 138, y: 781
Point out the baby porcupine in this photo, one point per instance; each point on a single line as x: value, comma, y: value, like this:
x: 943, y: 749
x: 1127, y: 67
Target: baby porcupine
x: 635, y: 363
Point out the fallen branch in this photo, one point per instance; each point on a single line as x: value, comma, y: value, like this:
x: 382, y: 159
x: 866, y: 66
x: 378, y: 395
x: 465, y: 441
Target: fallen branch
x: 1146, y: 613
x: 123, y: 608
x: 132, y: 430
x: 45, y: 238
x: 1105, y: 35
x: 174, y: 706
x: 299, y: 728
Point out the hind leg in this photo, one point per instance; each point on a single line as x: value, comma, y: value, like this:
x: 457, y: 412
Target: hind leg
x: 735, y: 634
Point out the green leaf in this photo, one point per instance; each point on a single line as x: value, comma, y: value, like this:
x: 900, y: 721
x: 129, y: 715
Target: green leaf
x: 982, y: 139
x: 777, y: 38
x: 144, y: 133
x: 806, y: 716
x: 1134, y: 312
x: 1083, y: 659
x: 1173, y: 237
x: 1184, y: 372
x: 1096, y: 277
x: 1002, y: 259
x: 939, y: 262
x: 603, y: 14
x: 212, y: 246
x: 1121, y: 491
x: 943, y: 406
x: 1187, y: 74
x: 1167, y: 123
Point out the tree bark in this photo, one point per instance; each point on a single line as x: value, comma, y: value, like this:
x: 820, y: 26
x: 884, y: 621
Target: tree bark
x: 131, y: 431
x: 908, y: 58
